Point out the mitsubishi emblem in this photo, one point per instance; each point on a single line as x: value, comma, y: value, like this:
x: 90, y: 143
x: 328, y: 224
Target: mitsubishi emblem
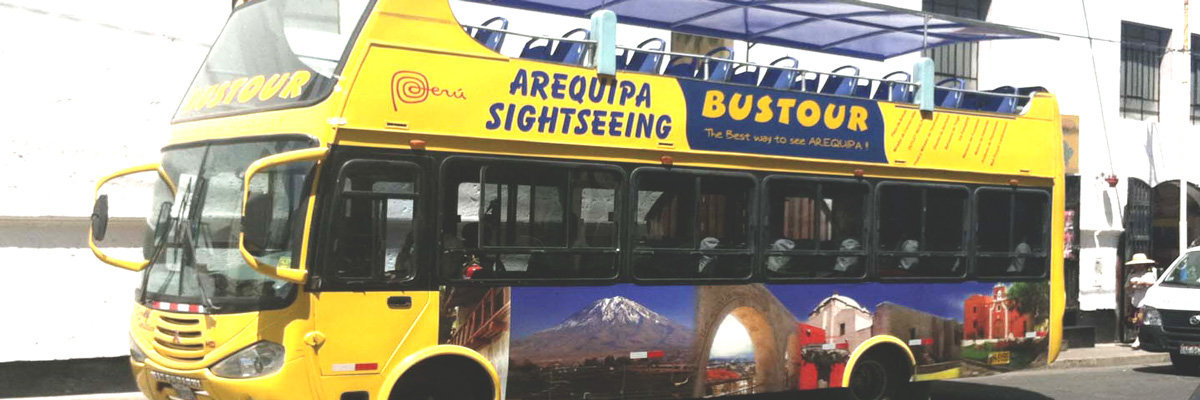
x: 1195, y: 320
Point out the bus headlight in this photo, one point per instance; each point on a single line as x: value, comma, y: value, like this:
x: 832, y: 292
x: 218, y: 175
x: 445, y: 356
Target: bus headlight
x: 259, y: 359
x: 136, y: 352
x: 1151, y: 316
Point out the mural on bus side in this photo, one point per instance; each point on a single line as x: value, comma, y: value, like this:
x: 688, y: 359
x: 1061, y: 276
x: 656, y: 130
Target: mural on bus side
x: 693, y: 341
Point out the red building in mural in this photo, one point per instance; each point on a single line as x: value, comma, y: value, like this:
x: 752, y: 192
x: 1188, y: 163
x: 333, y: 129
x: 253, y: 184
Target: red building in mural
x: 993, y: 317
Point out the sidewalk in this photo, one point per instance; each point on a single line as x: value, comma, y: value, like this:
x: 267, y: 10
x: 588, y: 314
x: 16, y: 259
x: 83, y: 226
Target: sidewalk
x: 1107, y: 355
x: 102, y: 396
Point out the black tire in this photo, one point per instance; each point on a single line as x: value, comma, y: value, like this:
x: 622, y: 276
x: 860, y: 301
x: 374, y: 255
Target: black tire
x: 429, y: 391
x: 871, y: 379
x: 443, y: 379
x: 1185, y: 364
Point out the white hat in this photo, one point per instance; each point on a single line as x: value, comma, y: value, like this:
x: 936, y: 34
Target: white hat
x: 1139, y: 259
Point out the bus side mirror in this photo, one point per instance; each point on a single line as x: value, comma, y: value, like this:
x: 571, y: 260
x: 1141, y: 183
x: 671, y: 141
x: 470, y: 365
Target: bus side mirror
x: 99, y: 228
x: 256, y: 223
x: 257, y: 215
x: 100, y: 218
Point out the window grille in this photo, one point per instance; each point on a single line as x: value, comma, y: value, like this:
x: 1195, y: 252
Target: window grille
x: 1142, y: 49
x: 959, y: 60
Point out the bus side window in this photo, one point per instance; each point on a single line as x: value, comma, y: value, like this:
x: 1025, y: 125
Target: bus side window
x: 692, y: 225
x: 1010, y: 232
x: 531, y: 221
x: 374, y: 227
x: 815, y: 229
x: 921, y: 230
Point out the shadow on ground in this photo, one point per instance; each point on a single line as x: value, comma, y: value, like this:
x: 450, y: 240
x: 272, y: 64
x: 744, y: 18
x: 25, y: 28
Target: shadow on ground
x: 949, y: 390
x: 65, y: 377
x: 1163, y: 370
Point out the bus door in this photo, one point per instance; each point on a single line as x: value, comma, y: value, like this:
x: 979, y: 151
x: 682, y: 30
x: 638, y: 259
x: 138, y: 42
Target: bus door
x: 366, y: 305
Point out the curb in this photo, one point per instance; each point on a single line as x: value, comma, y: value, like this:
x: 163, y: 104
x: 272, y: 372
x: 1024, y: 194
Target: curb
x: 102, y: 396
x: 1140, y: 359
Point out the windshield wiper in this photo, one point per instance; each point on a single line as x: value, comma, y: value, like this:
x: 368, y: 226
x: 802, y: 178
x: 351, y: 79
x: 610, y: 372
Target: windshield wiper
x: 189, y: 240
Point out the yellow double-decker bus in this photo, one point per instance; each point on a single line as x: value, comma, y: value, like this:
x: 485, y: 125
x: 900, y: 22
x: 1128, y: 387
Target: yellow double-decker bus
x: 373, y: 200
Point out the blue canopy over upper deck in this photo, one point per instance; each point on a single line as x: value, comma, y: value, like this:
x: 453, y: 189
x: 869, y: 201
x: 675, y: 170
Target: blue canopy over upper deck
x: 845, y: 27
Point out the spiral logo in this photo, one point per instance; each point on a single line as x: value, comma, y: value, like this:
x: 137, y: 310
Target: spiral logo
x: 409, y: 87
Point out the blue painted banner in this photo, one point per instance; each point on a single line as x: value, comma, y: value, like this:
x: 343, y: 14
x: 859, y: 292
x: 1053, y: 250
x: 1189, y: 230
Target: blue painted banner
x: 765, y: 121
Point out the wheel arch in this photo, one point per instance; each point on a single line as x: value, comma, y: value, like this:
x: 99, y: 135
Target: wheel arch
x: 881, y: 343
x: 426, y: 358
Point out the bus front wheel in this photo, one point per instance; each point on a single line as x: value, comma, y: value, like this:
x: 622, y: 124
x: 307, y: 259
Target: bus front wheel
x: 444, y: 378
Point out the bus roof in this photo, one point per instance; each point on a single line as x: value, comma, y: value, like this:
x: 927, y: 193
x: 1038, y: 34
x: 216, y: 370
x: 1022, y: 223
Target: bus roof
x: 844, y: 27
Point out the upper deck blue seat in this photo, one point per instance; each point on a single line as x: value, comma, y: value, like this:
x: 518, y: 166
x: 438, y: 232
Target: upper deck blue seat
x: 780, y: 78
x: 641, y: 61
x: 745, y: 75
x: 862, y: 89
x: 889, y: 90
x: 489, y: 38
x: 842, y: 84
x: 683, y: 67
x: 718, y: 70
x: 948, y: 98
x: 570, y: 52
x: 541, y: 52
x: 999, y: 104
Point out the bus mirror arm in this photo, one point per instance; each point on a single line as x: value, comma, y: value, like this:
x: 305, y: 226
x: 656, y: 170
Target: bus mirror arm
x: 256, y: 211
x: 99, y: 226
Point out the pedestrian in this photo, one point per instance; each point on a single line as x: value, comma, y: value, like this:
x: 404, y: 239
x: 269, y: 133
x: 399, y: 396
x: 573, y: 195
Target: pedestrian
x: 1142, y: 275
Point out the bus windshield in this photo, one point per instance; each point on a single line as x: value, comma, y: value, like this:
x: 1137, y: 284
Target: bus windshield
x: 1185, y: 272
x: 273, y: 54
x: 193, y: 237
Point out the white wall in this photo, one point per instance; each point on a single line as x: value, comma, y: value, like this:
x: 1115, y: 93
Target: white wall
x: 1085, y: 75
x: 89, y: 88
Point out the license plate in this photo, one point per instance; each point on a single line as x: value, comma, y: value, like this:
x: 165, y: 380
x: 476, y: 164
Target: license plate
x: 1189, y: 349
x: 185, y: 388
x: 183, y: 392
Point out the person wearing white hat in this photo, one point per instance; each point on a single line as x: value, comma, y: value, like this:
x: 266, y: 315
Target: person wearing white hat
x: 1140, y: 280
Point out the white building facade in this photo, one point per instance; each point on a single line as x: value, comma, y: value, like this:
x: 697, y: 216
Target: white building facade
x: 89, y: 89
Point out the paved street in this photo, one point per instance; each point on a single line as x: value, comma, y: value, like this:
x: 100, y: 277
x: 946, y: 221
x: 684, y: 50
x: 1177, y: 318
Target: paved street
x: 1147, y: 382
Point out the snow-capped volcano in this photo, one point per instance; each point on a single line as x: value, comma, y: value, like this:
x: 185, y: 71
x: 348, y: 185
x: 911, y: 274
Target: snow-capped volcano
x: 609, y: 326
x: 611, y: 311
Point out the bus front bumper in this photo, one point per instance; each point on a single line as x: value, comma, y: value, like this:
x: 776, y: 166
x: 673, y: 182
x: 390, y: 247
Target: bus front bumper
x: 161, y: 383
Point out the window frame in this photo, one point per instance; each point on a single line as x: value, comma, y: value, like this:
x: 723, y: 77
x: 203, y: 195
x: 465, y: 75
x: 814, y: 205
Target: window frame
x: 1047, y: 231
x: 958, y: 60
x: 877, y: 220
x: 1194, y: 67
x: 480, y: 164
x: 324, y: 278
x: 1143, y: 82
x: 631, y: 250
x: 868, y: 219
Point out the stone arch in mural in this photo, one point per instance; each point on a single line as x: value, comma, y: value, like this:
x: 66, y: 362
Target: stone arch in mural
x: 766, y: 320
